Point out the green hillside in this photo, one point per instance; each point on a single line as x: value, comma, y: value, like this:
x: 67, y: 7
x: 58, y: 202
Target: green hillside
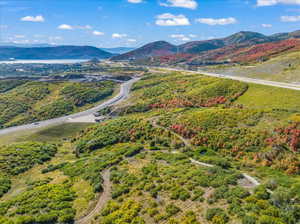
x: 27, y: 102
x: 178, y: 150
x: 283, y: 68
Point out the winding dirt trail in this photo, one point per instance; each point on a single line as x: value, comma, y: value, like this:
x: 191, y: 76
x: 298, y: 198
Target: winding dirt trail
x: 184, y: 140
x: 187, y: 143
x: 103, y: 199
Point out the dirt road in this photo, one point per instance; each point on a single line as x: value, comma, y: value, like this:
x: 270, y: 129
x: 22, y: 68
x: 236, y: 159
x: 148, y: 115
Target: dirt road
x: 103, y: 199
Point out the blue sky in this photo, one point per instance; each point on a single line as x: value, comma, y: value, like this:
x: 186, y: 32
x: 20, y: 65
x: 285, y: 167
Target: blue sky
x: 112, y: 23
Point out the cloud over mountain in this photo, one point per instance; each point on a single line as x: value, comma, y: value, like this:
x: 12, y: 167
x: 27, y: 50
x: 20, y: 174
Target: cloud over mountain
x: 213, y: 22
x: 168, y: 19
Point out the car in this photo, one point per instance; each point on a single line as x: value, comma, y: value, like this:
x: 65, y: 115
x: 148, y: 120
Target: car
x: 97, y: 114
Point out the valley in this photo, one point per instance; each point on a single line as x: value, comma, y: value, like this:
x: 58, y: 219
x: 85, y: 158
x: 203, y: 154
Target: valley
x: 150, y: 112
x: 181, y: 148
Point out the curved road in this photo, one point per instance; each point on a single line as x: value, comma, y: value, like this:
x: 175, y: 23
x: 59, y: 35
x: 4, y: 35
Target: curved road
x: 238, y: 78
x: 105, y: 196
x: 123, y: 94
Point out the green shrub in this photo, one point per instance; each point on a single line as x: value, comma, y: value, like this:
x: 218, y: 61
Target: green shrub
x: 211, y: 213
x: 249, y: 219
x: 6, y: 85
x: 20, y: 157
x: 172, y: 209
x: 5, y: 184
x: 126, y: 212
x: 47, y: 203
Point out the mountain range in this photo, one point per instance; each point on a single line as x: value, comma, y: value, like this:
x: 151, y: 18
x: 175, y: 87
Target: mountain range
x: 58, y: 52
x: 239, y: 47
x: 209, y: 50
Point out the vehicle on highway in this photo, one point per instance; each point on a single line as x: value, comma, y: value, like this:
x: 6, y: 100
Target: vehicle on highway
x: 97, y: 114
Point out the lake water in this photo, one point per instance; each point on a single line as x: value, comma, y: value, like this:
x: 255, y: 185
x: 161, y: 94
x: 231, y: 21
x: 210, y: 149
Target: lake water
x: 58, y: 61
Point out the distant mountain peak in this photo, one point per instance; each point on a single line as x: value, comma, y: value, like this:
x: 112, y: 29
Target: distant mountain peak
x: 247, y: 37
x: 157, y: 48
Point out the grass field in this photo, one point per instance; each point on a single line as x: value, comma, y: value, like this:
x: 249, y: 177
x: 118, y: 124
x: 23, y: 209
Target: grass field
x: 49, y: 134
x: 56, y: 133
x: 268, y: 97
x: 283, y: 68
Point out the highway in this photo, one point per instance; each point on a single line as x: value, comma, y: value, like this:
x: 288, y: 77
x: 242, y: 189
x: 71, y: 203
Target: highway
x: 123, y: 94
x: 243, y: 79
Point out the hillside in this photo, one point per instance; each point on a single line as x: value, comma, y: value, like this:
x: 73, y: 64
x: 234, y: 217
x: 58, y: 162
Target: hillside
x: 179, y: 150
x: 158, y: 48
x: 253, y: 53
x: 60, y: 52
x: 275, y: 60
x: 216, y: 51
x: 196, y: 47
x: 238, y: 39
x: 25, y: 102
x: 284, y: 67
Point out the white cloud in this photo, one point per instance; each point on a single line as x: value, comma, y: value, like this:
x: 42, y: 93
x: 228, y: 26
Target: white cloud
x: 266, y: 25
x: 98, y: 33
x: 290, y: 18
x: 168, y: 19
x: 275, y: 2
x: 181, y: 37
x: 176, y: 36
x: 135, y: 1
x: 38, y: 18
x: 19, y: 36
x: 21, y: 41
x: 118, y: 35
x: 131, y: 40
x: 186, y: 39
x: 192, y: 36
x: 65, y: 27
x: 55, y: 38
x: 189, y: 4
x: 69, y: 27
x: 213, y: 22
x: 86, y: 27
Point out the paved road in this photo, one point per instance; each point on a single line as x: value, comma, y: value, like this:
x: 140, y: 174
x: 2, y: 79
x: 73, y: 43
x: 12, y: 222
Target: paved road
x: 243, y: 79
x: 123, y: 94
